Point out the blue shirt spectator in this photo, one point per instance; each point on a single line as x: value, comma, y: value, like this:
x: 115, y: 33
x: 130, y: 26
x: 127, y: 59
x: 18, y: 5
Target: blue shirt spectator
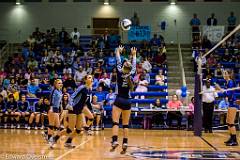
x: 195, y: 23
x: 155, y: 41
x: 32, y: 89
x: 232, y: 19
x: 111, y: 60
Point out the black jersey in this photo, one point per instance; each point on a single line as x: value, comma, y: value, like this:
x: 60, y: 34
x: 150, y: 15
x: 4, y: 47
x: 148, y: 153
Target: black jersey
x: 39, y: 107
x: 23, y: 106
x: 2, y: 106
x: 11, y: 106
x: 81, y: 97
x: 123, y: 87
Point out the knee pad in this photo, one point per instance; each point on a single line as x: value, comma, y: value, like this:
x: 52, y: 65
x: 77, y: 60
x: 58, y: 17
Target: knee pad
x: 69, y: 131
x: 115, y: 123
x: 78, y: 131
x: 230, y: 125
x: 125, y: 126
x: 51, y: 127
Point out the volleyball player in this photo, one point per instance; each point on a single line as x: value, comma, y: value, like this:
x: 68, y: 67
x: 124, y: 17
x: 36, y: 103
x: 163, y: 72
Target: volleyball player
x: 80, y: 102
x: 2, y: 110
x: 36, y: 114
x: 122, y: 104
x: 11, y: 110
x: 232, y: 110
x: 23, y: 109
x: 55, y: 109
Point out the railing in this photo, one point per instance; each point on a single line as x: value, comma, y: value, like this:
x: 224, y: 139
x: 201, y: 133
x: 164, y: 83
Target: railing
x: 3, y: 52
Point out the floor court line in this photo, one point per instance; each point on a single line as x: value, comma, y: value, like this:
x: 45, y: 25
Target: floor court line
x: 71, y: 150
x: 212, y: 146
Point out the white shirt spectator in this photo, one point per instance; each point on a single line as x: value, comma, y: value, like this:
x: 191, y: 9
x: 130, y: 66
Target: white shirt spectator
x: 106, y: 81
x: 78, y: 76
x: 75, y: 33
x: 67, y: 70
x: 147, y: 66
x: 209, y: 95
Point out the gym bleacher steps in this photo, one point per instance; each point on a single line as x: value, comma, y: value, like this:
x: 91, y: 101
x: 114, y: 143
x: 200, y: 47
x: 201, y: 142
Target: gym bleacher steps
x: 174, y: 72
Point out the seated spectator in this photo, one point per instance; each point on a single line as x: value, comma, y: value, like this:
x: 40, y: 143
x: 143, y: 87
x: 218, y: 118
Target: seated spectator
x: 23, y: 109
x: 6, y: 82
x: 155, y: 43
x: 67, y: 69
x: 32, y: 64
x: 146, y: 65
x: 79, y: 75
x: 146, y: 76
x: 63, y: 36
x: 211, y: 61
x: 31, y: 41
x: 110, y: 98
x: 11, y: 110
x: 36, y: 113
x: 207, y: 73
x: 158, y: 118
x: 95, y: 82
x: 101, y: 96
x: 32, y: 89
x: 88, y: 68
x: 105, y: 82
x: 206, y: 43
x: 160, y: 78
x: 113, y: 77
x: 175, y: 103
x: 160, y: 58
x: 3, y: 92
x: 142, y: 86
x: 69, y: 83
x: 157, y: 104
x: 98, y: 71
x: 218, y: 73
x: 97, y: 111
x: 224, y: 103
x: 111, y: 60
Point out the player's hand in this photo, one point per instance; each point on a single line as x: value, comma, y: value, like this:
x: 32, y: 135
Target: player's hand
x: 134, y: 51
x: 120, y: 48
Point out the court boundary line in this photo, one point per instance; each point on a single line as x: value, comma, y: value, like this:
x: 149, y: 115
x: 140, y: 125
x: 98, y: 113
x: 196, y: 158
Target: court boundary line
x: 208, y: 143
x: 71, y: 150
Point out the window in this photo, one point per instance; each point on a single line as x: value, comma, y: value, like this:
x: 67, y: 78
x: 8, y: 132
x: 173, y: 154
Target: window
x: 32, y: 0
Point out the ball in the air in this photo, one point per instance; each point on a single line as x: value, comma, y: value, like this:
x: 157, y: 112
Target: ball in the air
x: 125, y: 24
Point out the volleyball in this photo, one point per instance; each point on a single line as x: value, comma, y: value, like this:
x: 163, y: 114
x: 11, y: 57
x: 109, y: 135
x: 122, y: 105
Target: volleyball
x: 125, y: 24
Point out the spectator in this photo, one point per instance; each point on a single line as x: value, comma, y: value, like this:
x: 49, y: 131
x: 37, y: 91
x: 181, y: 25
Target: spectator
x: 155, y: 43
x: 67, y: 69
x: 69, y: 83
x: 160, y: 58
x: 208, y: 72
x: 98, y: 71
x: 32, y: 64
x: 101, y: 96
x: 208, y: 98
x: 33, y: 89
x: 97, y: 111
x: 88, y: 68
x: 211, y: 61
x: 135, y: 20
x: 37, y: 33
x: 77, y: 64
x: 157, y: 104
x: 160, y: 78
x: 111, y: 60
x: 231, y: 22
x: 224, y: 103
x: 206, y: 43
x: 63, y: 36
x: 95, y: 82
x: 175, y: 103
x: 79, y: 75
x: 75, y: 34
x: 110, y: 98
x: 146, y: 65
x: 212, y: 21
x: 31, y: 41
x: 3, y: 92
x: 195, y: 23
x: 142, y: 86
x: 218, y: 73
x: 105, y: 82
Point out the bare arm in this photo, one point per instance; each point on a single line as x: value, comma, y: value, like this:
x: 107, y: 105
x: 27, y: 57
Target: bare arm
x: 134, y: 61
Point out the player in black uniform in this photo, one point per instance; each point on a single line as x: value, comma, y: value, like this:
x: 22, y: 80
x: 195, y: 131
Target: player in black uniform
x: 36, y: 114
x: 122, y: 104
x: 11, y: 110
x: 80, y: 102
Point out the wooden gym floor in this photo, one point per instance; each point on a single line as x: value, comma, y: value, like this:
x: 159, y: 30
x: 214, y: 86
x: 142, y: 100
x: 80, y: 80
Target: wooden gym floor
x: 17, y: 143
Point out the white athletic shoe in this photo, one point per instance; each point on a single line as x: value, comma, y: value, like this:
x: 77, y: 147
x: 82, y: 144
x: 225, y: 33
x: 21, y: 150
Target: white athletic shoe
x: 12, y: 126
x: 42, y: 128
x: 28, y: 127
x: 36, y: 128
x: 89, y: 132
x: 18, y: 126
x: 5, y: 125
x: 97, y: 128
x: 115, y: 144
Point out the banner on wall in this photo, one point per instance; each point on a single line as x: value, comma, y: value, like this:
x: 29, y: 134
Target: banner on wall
x: 139, y: 33
x: 214, y: 33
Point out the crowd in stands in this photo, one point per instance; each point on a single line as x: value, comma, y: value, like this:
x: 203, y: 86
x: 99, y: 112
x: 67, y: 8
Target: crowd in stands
x: 27, y: 77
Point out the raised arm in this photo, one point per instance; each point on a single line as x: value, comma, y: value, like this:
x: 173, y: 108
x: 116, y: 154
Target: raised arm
x: 118, y: 58
x: 134, y: 61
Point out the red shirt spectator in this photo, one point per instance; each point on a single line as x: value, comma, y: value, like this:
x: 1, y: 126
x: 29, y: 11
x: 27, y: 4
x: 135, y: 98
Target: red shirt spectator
x: 175, y: 103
